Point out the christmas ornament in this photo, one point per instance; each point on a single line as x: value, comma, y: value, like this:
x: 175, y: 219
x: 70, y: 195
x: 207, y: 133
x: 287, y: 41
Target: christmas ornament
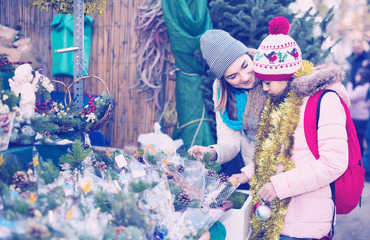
x: 262, y: 211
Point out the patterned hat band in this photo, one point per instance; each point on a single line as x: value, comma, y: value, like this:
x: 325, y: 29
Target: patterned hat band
x: 278, y: 57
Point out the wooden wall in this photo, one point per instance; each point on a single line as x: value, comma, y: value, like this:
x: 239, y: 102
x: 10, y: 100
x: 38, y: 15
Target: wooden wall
x: 112, y: 58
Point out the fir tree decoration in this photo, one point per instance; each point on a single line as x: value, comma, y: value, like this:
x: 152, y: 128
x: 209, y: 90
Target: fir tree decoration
x: 48, y: 171
x: 101, y: 201
x: 138, y: 187
x: 77, y: 155
x: 125, y: 212
x: 20, y: 179
x: 210, y: 164
x: 141, y: 186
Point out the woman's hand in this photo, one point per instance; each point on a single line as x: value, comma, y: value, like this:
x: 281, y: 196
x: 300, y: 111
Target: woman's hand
x: 199, y: 151
x: 267, y: 192
x: 240, y: 177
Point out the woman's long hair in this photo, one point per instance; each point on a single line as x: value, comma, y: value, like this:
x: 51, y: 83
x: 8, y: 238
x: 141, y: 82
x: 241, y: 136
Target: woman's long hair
x: 227, y: 98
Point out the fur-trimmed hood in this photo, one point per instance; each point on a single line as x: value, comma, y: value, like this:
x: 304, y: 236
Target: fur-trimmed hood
x: 325, y: 76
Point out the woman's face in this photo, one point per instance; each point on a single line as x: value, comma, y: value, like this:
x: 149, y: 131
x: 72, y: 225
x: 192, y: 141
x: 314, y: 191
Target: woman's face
x: 240, y: 73
x: 275, y: 88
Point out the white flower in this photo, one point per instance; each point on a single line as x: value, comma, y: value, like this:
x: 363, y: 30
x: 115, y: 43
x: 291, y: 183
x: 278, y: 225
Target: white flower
x: 5, y: 97
x: 91, y: 117
x: 3, y: 108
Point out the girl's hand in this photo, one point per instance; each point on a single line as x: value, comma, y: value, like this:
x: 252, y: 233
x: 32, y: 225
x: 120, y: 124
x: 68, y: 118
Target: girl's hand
x: 240, y: 177
x: 199, y: 151
x: 267, y: 192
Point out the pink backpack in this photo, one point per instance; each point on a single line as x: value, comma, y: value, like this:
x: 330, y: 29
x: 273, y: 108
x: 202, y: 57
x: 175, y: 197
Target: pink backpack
x: 347, y: 189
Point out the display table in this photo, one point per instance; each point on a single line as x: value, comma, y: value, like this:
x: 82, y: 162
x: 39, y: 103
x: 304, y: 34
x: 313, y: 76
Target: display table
x: 237, y: 221
x: 24, y: 154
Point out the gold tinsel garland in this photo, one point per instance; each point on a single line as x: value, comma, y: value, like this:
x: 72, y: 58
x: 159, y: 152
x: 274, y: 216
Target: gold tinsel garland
x: 274, y: 147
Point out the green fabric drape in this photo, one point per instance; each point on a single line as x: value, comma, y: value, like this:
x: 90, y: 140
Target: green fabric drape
x: 62, y: 37
x: 186, y: 21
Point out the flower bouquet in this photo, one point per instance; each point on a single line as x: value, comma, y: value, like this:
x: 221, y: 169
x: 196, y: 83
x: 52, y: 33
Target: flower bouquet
x: 58, y: 118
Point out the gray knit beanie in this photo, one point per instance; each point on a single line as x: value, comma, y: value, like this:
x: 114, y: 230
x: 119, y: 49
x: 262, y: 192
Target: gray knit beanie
x: 220, y: 50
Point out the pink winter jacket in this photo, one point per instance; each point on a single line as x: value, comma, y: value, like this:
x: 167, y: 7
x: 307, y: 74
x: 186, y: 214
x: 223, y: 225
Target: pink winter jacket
x: 310, y: 211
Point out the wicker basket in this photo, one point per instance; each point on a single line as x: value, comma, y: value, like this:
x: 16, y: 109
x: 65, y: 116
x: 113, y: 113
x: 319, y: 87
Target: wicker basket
x: 68, y: 99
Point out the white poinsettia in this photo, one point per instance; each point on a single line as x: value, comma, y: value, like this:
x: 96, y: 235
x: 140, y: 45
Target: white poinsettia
x: 3, y: 108
x: 91, y: 117
x: 44, y: 82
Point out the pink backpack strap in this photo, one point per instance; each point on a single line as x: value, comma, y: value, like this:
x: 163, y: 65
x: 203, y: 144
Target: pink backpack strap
x: 310, y: 122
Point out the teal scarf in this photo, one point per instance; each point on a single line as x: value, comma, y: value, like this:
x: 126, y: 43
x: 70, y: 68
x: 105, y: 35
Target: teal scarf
x: 241, y: 101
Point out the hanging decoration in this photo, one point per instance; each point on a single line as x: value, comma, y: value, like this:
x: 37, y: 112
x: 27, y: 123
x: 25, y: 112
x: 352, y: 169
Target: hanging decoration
x: 153, y: 49
x: 66, y: 6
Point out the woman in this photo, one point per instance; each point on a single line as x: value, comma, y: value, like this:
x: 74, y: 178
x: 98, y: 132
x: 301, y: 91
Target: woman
x: 360, y: 103
x: 238, y: 100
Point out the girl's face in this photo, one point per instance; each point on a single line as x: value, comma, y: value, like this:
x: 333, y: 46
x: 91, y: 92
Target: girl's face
x: 240, y: 73
x: 275, y: 88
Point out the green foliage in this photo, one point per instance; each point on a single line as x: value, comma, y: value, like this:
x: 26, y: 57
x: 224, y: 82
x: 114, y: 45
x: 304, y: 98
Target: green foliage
x: 9, y: 99
x: 141, y: 186
x: 78, y: 154
x: 302, y: 30
x: 101, y: 201
x: 238, y: 199
x: 48, y: 171
x: 15, y: 207
x: 66, y: 6
x: 64, y: 118
x: 51, y: 200
x: 53, y: 124
x: 208, y: 163
x: 126, y: 212
x: 248, y: 20
x: 7, y: 169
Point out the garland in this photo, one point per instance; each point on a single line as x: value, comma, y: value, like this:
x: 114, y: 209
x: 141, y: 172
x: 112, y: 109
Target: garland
x: 274, y: 147
x: 66, y: 6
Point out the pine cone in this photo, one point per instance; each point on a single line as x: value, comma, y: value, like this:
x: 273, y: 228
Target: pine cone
x: 140, y: 159
x: 211, y: 173
x: 37, y: 231
x: 180, y: 168
x: 20, y: 179
x: 184, y: 198
x: 169, y: 175
x: 118, y: 230
x: 100, y: 165
x: 223, y: 177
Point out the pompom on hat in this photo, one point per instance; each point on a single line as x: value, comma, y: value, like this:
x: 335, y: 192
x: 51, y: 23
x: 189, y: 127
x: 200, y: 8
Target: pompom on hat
x: 278, y: 57
x: 220, y: 50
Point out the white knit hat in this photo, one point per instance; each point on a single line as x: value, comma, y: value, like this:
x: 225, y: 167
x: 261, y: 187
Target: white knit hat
x: 278, y: 57
x: 220, y: 50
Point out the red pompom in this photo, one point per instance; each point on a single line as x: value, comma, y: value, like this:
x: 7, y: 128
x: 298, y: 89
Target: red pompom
x: 279, y: 25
